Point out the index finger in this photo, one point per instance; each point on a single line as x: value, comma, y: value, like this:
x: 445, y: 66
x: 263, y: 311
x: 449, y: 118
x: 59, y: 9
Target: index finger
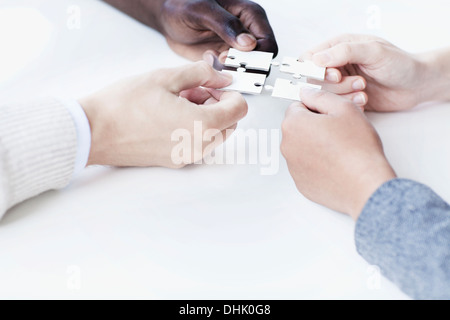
x: 307, y: 55
x: 231, y: 108
x: 255, y: 19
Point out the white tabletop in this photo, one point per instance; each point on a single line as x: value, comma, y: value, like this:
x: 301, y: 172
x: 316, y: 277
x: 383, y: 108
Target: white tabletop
x: 220, y: 231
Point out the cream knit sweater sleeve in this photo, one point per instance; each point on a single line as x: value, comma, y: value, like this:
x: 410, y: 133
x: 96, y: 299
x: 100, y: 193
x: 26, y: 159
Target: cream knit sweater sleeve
x: 38, y: 145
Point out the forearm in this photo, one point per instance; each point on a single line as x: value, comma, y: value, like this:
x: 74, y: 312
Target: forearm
x: 436, y: 67
x: 146, y: 11
x: 37, y: 150
x: 404, y: 229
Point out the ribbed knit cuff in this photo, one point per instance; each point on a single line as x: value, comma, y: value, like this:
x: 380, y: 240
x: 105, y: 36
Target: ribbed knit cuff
x: 38, y: 145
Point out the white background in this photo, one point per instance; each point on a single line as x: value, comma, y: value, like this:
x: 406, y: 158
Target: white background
x: 204, y: 231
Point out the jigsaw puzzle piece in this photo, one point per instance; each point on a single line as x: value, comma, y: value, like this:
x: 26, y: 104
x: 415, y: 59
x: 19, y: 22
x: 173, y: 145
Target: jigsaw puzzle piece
x: 306, y: 68
x: 251, y: 83
x: 253, y: 60
x: 287, y: 89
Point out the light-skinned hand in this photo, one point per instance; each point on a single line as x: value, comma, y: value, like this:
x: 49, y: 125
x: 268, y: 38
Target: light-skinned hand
x: 394, y: 79
x: 334, y: 154
x: 132, y: 121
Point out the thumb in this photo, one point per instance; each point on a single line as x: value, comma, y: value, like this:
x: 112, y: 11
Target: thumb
x: 231, y: 108
x: 199, y: 74
x: 324, y: 102
x: 229, y: 28
x: 364, y: 53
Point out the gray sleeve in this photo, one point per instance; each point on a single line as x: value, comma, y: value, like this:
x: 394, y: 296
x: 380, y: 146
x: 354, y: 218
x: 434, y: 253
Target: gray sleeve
x: 404, y: 229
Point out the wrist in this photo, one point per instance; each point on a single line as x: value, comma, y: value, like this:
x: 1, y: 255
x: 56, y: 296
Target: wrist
x: 376, y: 175
x: 91, y: 108
x: 146, y: 11
x: 434, y: 68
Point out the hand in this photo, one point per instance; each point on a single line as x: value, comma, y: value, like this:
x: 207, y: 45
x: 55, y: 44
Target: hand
x: 396, y: 80
x: 193, y: 26
x: 334, y: 155
x: 132, y: 122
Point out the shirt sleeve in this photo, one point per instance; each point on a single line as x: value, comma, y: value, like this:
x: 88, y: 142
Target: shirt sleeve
x: 83, y: 131
x: 405, y: 230
x: 38, y: 150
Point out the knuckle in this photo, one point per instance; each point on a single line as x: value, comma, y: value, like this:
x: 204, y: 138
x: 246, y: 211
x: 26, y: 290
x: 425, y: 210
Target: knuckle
x: 232, y: 24
x: 240, y: 109
x: 256, y: 8
x: 204, y: 68
x: 192, y: 6
x: 377, y: 46
x: 348, y: 104
x: 284, y: 148
x: 346, y: 49
x: 321, y: 94
x: 285, y: 127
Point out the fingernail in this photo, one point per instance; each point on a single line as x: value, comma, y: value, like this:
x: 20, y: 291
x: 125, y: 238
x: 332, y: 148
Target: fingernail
x: 360, y: 99
x: 246, y: 40
x: 332, y: 77
x: 358, y: 85
x: 308, y: 91
x: 227, y: 76
x: 209, y: 58
x: 322, y: 58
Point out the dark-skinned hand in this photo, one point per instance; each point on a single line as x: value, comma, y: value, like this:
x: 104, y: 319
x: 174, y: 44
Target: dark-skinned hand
x: 192, y: 27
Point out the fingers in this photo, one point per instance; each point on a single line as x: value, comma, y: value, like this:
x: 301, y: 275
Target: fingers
x: 333, y: 75
x: 324, y: 102
x: 347, y: 85
x: 295, y: 108
x: 231, y: 108
x: 212, y: 57
x: 363, y: 53
x: 218, y: 139
x: 196, y: 95
x: 227, y: 26
x: 254, y: 18
x: 335, y: 41
x: 360, y: 99
x: 196, y: 75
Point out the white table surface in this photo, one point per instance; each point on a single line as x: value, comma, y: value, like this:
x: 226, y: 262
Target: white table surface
x: 222, y: 231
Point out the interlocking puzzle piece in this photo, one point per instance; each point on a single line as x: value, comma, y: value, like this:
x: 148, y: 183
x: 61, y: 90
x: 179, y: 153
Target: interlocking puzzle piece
x: 254, y: 60
x: 287, y: 89
x: 251, y: 83
x: 306, y: 68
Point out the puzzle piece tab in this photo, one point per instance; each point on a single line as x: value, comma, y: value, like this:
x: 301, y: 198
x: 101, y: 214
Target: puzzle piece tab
x: 287, y: 89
